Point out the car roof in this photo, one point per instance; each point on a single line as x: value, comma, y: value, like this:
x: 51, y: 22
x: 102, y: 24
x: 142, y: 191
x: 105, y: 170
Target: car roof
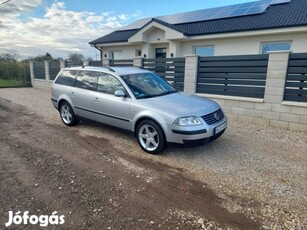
x: 117, y: 70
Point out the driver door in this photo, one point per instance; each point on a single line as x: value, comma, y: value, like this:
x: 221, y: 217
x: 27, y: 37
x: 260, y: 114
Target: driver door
x: 112, y: 110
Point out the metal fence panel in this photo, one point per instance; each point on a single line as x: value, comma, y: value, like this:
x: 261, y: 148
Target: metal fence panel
x: 121, y: 62
x: 296, y: 80
x: 95, y: 63
x: 54, y: 69
x: 171, y: 69
x: 243, y: 75
x: 74, y: 63
x: 39, y: 70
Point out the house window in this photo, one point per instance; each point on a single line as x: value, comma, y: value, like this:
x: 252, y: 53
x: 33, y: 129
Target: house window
x: 116, y: 54
x: 138, y: 53
x: 204, y: 51
x: 161, y: 53
x: 275, y: 46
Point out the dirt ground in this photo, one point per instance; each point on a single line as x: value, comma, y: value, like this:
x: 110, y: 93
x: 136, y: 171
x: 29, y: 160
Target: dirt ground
x: 99, y: 179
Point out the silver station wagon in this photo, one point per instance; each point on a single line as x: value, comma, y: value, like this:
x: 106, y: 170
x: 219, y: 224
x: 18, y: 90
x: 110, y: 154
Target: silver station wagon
x: 137, y: 100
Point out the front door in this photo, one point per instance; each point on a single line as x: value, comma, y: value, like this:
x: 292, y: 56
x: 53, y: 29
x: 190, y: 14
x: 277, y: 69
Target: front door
x: 110, y: 109
x: 161, y: 53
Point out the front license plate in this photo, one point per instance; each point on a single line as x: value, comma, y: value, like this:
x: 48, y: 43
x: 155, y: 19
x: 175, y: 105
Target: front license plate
x: 220, y: 128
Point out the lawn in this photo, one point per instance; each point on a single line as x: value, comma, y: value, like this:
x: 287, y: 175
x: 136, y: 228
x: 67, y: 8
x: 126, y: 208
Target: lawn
x: 10, y: 83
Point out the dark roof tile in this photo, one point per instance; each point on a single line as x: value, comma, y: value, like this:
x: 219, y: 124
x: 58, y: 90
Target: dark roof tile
x: 276, y: 16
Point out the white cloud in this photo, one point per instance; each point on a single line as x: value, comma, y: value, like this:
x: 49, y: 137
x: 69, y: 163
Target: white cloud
x: 59, y: 32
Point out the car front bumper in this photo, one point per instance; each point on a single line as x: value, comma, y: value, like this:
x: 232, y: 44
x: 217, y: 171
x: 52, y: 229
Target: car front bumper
x: 193, y: 134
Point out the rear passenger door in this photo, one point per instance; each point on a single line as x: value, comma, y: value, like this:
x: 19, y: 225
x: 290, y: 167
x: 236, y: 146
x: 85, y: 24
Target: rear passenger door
x: 113, y: 110
x: 83, y: 93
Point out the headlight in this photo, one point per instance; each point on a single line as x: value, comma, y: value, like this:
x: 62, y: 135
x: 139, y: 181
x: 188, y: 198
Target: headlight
x: 184, y: 121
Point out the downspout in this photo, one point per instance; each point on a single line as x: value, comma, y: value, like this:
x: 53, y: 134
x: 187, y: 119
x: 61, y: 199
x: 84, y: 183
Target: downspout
x: 100, y: 50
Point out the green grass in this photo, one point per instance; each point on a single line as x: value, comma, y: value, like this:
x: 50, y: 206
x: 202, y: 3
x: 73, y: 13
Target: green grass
x: 10, y: 83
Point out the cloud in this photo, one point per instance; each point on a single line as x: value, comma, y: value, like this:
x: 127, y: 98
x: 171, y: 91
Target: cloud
x: 14, y: 7
x: 59, y: 31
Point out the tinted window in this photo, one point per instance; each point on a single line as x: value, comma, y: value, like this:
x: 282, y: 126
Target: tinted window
x: 87, y: 80
x: 108, y: 84
x: 67, y: 77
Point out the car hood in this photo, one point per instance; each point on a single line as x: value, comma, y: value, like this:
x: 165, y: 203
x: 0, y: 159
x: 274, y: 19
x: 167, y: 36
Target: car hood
x: 181, y: 104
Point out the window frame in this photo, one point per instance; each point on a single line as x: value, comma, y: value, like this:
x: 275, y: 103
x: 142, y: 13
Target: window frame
x: 275, y: 42
x: 137, y: 52
x: 56, y: 81
x: 112, y: 54
x: 124, y: 88
x: 204, y: 46
x: 95, y: 88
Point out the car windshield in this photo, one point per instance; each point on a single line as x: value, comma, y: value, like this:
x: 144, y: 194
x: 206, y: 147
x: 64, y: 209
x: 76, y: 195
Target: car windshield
x: 146, y: 85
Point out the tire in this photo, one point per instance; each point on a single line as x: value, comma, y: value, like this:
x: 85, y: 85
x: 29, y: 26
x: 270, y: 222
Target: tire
x: 150, y: 137
x: 67, y: 114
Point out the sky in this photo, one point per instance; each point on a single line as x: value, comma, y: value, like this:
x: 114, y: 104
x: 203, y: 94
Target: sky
x: 60, y: 27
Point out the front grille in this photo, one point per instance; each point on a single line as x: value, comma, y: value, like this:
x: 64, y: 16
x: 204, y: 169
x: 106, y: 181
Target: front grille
x: 213, y: 117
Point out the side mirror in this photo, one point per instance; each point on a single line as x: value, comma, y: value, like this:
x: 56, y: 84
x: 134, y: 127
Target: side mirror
x: 119, y: 93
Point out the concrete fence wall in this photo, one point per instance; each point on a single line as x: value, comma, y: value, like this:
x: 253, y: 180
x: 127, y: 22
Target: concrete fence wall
x: 272, y: 110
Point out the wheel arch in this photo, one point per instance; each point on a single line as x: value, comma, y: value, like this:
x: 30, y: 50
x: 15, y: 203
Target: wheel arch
x: 65, y: 99
x: 143, y: 118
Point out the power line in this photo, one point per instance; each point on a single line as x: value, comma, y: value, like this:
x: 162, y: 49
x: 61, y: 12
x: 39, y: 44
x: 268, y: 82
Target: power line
x: 4, y: 2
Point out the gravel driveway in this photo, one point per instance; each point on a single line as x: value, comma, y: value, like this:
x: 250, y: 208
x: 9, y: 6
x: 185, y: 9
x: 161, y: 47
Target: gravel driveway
x: 251, y: 177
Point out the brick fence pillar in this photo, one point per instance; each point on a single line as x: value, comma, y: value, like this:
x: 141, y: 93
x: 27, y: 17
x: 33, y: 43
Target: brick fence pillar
x: 190, y: 74
x: 106, y: 62
x: 138, y: 61
x: 47, y: 72
x: 62, y: 64
x: 86, y: 63
x: 276, y: 76
x: 31, y: 63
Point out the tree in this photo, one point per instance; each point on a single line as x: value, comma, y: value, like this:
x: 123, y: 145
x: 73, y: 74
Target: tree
x: 76, y: 57
x: 46, y: 57
x: 9, y: 56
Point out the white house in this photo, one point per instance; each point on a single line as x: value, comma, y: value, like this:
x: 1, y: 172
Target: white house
x: 249, y: 28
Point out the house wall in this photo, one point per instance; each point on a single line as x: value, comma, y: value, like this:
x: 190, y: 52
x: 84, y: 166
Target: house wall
x: 156, y: 36
x: 247, y: 45
x: 128, y: 52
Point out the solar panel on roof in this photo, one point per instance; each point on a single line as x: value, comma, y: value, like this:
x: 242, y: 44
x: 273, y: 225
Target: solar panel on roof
x: 275, y: 2
x: 249, y: 8
x: 137, y: 24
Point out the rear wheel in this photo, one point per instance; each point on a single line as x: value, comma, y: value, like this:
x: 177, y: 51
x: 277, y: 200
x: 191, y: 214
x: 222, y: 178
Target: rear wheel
x: 151, y: 137
x: 67, y: 114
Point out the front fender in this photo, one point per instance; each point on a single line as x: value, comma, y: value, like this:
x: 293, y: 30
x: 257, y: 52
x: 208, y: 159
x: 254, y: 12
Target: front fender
x: 163, y: 121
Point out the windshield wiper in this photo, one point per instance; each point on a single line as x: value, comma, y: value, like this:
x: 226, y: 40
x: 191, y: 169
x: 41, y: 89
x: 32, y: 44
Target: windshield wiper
x: 146, y: 96
x: 158, y: 95
x: 168, y: 92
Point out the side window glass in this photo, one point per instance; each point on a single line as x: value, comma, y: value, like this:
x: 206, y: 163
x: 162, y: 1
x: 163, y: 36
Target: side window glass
x: 108, y: 84
x: 87, y: 80
x: 67, y: 77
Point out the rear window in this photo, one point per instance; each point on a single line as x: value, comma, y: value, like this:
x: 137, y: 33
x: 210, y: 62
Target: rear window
x: 67, y: 77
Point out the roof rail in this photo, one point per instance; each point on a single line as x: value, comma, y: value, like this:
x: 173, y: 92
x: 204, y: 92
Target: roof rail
x: 109, y: 68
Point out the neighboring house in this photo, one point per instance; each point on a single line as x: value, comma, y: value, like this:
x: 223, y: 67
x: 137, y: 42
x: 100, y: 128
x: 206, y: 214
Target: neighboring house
x: 249, y: 28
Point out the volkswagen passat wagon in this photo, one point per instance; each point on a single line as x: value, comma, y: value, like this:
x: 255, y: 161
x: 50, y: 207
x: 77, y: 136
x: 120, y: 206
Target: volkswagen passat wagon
x: 139, y: 101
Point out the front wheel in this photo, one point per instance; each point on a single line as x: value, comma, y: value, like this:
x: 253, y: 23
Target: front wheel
x: 67, y: 114
x: 151, y: 137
